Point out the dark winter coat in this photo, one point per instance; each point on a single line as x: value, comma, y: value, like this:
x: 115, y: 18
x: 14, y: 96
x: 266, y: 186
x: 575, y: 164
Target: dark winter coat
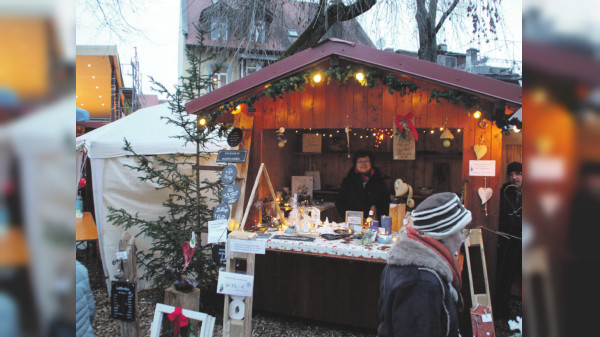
x: 85, y: 307
x: 508, y: 263
x: 353, y: 196
x: 417, y: 298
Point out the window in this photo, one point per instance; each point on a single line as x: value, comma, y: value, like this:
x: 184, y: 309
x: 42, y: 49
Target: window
x: 219, y: 80
x: 218, y: 30
x: 292, y: 33
x: 250, y: 66
x: 261, y: 30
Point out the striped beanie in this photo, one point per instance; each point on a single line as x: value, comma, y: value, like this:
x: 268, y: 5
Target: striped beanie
x: 441, y: 215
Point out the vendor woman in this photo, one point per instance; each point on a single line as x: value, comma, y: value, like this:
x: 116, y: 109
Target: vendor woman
x: 363, y: 188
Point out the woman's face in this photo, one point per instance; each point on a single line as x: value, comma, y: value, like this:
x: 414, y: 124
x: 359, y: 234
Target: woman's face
x: 363, y: 164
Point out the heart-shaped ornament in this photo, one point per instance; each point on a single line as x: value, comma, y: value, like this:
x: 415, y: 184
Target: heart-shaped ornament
x: 400, y: 187
x: 480, y: 150
x: 485, y: 194
x: 188, y: 253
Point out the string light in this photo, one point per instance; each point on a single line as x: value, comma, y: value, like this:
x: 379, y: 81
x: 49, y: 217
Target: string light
x: 202, y: 122
x: 477, y: 114
x: 360, y: 76
x: 317, y: 78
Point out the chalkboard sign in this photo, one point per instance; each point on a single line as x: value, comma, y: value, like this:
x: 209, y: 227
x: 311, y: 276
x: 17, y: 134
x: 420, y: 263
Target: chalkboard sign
x: 122, y: 300
x: 218, y: 255
x: 228, y: 175
x: 230, y: 194
x: 232, y: 156
x: 221, y: 212
x: 294, y: 238
x: 235, y: 137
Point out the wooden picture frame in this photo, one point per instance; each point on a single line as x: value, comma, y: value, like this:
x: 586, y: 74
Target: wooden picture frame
x: 352, y: 218
x: 206, y: 329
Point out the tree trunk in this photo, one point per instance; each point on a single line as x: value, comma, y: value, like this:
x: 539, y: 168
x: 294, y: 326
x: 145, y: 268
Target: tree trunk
x: 336, y: 12
x: 427, y: 31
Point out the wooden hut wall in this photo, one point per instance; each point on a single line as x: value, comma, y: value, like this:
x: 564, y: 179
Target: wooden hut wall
x: 334, y: 106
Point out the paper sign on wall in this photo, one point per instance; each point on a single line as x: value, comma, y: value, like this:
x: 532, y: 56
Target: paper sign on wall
x: 247, y: 246
x: 217, y: 231
x: 482, y: 168
x: 235, y: 284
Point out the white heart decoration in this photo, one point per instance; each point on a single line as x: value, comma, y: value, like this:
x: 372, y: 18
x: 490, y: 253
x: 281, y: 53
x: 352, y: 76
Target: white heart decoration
x: 485, y: 194
x: 480, y: 150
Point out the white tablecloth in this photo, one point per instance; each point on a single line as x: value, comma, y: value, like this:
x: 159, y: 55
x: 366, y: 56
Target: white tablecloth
x: 330, y: 247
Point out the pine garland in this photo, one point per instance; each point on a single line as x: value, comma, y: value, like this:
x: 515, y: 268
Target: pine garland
x: 341, y: 75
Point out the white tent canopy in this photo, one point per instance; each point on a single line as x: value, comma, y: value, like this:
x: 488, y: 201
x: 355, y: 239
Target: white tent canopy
x: 115, y: 185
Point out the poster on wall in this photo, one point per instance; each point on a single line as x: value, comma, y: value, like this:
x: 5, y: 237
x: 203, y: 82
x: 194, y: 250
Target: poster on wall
x: 404, y: 147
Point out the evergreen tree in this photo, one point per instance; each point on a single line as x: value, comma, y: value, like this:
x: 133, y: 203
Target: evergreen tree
x: 187, y: 204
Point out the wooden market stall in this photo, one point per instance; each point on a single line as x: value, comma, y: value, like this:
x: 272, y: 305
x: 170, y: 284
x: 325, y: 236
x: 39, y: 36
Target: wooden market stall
x: 349, y: 114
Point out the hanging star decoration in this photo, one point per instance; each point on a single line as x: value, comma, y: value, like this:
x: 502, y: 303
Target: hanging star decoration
x: 403, y: 123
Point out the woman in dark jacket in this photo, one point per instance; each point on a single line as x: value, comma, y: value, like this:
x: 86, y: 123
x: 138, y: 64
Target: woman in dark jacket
x: 363, y: 188
x: 420, y: 285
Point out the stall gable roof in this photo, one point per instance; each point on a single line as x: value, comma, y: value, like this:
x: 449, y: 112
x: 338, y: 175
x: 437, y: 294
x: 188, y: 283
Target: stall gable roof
x: 351, y: 51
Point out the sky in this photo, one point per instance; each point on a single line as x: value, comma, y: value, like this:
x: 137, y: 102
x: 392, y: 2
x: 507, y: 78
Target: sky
x: 158, y: 41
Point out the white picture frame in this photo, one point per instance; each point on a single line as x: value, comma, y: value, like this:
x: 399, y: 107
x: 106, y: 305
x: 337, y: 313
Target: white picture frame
x: 207, y: 327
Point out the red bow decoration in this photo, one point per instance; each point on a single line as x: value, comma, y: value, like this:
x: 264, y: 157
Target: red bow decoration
x: 179, y: 318
x: 400, y: 119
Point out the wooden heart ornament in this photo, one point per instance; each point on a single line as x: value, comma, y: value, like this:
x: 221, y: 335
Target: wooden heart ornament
x: 480, y: 150
x: 485, y: 194
x: 400, y: 187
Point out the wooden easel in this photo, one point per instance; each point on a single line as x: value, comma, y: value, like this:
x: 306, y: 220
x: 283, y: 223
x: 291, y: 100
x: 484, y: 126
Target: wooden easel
x: 262, y: 169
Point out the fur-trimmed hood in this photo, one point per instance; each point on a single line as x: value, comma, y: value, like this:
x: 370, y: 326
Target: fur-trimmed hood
x: 409, y: 252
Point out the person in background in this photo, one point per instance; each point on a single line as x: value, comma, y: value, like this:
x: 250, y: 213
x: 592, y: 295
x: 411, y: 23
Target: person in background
x: 363, y: 188
x: 508, y: 263
x: 420, y: 285
x: 85, y: 306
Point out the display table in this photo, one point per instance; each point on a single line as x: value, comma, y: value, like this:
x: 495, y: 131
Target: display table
x: 323, y: 280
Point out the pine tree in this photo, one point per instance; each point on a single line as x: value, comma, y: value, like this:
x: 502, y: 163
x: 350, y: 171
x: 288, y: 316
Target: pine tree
x: 187, y: 204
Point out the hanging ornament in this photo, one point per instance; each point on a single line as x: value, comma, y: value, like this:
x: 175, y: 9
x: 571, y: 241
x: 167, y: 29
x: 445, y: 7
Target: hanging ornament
x: 281, y: 139
x: 480, y: 149
x: 485, y: 193
x: 188, y: 251
x: 348, y: 140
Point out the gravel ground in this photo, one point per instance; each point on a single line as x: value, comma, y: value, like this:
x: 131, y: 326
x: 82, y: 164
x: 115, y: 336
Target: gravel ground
x: 263, y: 324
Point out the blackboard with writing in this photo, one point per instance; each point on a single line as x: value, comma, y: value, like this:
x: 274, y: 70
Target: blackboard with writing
x: 231, y: 193
x: 228, y: 175
x: 122, y: 300
x: 221, y: 212
x: 235, y: 137
x: 218, y: 255
x: 232, y: 156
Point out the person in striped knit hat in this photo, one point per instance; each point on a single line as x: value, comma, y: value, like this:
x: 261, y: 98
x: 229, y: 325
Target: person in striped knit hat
x: 420, y: 285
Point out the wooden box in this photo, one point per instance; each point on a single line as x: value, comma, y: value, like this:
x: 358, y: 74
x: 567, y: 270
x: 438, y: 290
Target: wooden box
x: 397, y: 212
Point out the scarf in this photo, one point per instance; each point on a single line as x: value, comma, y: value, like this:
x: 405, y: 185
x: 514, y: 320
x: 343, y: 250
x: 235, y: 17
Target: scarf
x: 365, y: 176
x: 441, y: 250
